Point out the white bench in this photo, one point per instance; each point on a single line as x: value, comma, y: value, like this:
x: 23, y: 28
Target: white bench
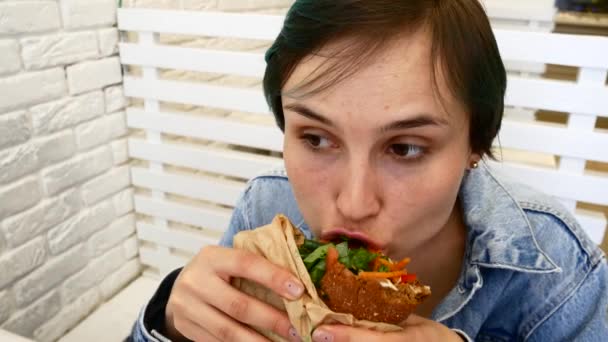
x: 200, y: 141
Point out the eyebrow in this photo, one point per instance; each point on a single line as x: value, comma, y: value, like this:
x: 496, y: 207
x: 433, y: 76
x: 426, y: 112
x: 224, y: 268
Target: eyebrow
x: 418, y: 121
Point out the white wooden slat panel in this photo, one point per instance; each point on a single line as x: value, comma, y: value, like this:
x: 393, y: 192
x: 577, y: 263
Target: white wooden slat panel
x: 519, y: 49
x: 593, y: 223
x: 194, y: 59
x: 522, y: 25
x: 548, y: 138
x: 516, y: 47
x: 536, y: 10
x: 150, y: 74
x: 553, y: 48
x: 209, y: 189
x: 231, y: 163
x: 154, y: 258
x: 201, y: 23
x: 531, y: 46
x: 248, y: 100
x: 186, y: 241
x: 527, y: 67
x: 554, y: 95
x: 589, y: 188
x: 212, y: 218
x: 559, y: 96
x: 223, y: 130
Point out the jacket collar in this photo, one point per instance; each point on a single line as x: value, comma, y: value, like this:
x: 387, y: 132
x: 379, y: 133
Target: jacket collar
x: 499, y: 233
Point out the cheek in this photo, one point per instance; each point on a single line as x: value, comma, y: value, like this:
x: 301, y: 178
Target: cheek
x: 425, y: 196
x: 310, y: 181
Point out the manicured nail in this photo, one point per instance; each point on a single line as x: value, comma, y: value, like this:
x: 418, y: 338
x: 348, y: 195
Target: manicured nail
x: 321, y: 335
x: 293, y: 335
x: 294, y: 289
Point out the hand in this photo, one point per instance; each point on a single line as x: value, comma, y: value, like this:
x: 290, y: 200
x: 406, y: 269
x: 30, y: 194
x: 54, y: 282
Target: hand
x: 203, y: 306
x: 416, y: 329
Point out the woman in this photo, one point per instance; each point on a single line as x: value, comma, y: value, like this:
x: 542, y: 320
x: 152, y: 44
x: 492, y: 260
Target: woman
x: 388, y: 108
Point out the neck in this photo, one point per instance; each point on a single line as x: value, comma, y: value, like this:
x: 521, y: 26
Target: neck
x: 438, y: 262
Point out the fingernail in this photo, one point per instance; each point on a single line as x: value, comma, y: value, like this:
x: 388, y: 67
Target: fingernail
x: 321, y: 335
x: 293, y: 335
x: 294, y: 289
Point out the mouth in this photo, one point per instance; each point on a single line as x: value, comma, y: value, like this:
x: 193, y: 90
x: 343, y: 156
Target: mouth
x: 353, y: 237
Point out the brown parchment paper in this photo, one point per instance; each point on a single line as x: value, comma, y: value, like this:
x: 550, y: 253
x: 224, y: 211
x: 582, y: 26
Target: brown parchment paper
x: 277, y: 243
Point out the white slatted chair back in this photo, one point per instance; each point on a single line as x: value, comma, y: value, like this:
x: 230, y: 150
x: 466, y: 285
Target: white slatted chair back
x: 197, y: 142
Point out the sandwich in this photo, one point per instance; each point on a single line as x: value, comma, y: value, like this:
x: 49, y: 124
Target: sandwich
x: 352, y: 278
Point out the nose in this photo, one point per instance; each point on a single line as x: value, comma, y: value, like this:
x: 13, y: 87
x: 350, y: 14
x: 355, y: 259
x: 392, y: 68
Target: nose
x: 358, y: 197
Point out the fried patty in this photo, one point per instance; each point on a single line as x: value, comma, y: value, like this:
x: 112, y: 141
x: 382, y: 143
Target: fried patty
x: 367, y: 299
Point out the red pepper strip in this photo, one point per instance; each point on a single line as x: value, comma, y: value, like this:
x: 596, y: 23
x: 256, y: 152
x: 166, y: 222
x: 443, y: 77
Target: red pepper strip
x: 408, y: 278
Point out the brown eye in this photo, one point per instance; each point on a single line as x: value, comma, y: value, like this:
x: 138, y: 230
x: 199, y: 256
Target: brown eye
x: 313, y: 140
x: 406, y: 150
x: 316, y: 141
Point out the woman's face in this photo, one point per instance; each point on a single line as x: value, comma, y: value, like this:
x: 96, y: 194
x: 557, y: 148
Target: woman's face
x: 378, y: 155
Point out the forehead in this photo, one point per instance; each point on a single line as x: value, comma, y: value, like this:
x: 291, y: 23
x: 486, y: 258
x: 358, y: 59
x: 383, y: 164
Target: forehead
x: 397, y: 77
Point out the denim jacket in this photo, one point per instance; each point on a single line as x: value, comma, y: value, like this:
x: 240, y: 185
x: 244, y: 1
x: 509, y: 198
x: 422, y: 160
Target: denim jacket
x: 529, y: 273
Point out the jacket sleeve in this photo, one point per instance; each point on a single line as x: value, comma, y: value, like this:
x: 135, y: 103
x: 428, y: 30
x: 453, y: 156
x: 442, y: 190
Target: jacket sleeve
x: 150, y: 323
x: 584, y: 314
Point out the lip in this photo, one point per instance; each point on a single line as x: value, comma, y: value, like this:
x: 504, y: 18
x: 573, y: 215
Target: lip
x: 357, y: 235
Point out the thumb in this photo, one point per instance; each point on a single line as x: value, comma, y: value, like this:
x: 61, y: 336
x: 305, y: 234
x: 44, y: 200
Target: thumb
x: 344, y: 333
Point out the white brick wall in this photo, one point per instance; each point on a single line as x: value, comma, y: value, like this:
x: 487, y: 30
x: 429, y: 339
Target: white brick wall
x: 14, y: 129
x: 28, y: 16
x: 69, y: 316
x: 18, y: 91
x: 24, y: 321
x: 9, y: 50
x: 67, y: 112
x: 58, y: 49
x: 93, y: 75
x: 67, y: 229
x: 85, y: 13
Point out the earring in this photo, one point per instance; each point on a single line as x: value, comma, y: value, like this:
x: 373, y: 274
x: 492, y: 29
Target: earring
x: 474, y: 165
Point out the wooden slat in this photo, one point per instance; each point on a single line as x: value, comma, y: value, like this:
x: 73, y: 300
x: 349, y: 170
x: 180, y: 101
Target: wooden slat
x: 223, y: 130
x: 212, y: 218
x: 193, y: 59
x: 199, y: 94
x: 553, y: 48
x: 518, y: 45
x: 186, y: 241
x: 593, y: 223
x: 548, y: 138
x: 211, y: 189
x: 586, y: 188
x: 203, y: 158
x: 527, y: 67
x: 156, y: 259
x: 515, y: 46
x: 558, y: 96
x: 201, y: 23
x: 534, y: 10
x: 553, y: 95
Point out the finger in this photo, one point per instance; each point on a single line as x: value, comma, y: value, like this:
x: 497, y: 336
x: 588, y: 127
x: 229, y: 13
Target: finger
x: 344, y: 333
x: 223, y: 327
x: 414, y: 319
x: 249, y: 310
x: 194, y: 332
x: 244, y: 264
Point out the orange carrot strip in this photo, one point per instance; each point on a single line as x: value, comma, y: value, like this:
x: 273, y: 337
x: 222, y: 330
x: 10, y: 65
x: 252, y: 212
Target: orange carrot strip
x: 380, y: 275
x: 376, y: 264
x: 401, y: 264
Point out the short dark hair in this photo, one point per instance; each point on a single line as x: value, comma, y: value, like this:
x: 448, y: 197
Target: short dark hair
x: 462, y: 43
